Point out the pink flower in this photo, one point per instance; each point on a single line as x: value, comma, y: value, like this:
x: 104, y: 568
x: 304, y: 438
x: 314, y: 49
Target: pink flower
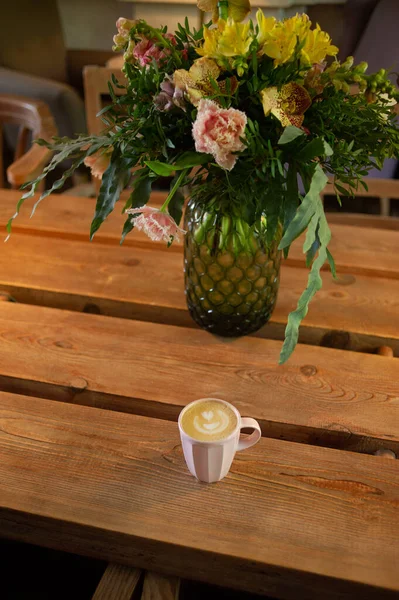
x: 99, y: 162
x: 147, y: 50
x: 218, y: 131
x: 156, y: 224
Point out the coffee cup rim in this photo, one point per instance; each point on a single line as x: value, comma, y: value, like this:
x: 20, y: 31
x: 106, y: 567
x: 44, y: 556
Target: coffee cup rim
x: 211, y: 442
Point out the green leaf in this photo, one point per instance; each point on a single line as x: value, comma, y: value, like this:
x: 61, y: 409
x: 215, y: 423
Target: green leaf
x: 311, y: 253
x: 294, y: 318
x: 192, y: 159
x: 127, y: 228
x: 114, y: 180
x: 315, y: 148
x: 65, y: 149
x: 331, y: 262
x: 160, y: 168
x: 186, y: 161
x: 324, y: 229
x: 311, y: 232
x: 290, y: 134
x: 342, y: 190
x: 364, y: 185
x: 307, y: 209
x: 140, y: 194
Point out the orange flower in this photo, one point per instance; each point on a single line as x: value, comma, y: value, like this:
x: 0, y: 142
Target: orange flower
x: 288, y: 104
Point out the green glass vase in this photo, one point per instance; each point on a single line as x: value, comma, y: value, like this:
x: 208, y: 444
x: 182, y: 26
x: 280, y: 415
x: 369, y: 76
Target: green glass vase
x: 231, y: 273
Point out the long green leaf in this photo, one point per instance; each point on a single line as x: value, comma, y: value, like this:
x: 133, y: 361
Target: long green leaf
x: 187, y: 160
x: 317, y: 147
x: 192, y: 159
x: 138, y: 198
x: 140, y: 194
x: 160, y: 168
x: 64, y: 149
x: 306, y: 210
x: 114, y: 180
x: 290, y: 134
x: 294, y: 318
x: 311, y: 232
x: 331, y: 262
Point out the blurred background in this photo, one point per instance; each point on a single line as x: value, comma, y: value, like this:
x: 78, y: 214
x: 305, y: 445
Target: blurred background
x: 45, y: 46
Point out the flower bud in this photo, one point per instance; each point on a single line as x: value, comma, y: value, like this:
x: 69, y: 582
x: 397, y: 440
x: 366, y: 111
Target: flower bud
x: 125, y: 25
x: 362, y: 67
x: 348, y: 63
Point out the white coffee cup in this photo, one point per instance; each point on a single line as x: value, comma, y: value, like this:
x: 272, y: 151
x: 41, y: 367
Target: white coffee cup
x: 211, y: 461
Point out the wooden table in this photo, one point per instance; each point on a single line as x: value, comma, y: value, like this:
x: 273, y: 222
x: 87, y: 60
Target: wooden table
x: 97, y: 357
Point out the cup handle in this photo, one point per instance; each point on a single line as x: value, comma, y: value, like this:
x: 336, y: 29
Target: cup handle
x: 255, y: 436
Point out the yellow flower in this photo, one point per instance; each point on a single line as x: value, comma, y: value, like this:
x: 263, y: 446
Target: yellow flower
x: 265, y: 27
x: 280, y: 45
x: 279, y: 39
x: 196, y: 82
x: 237, y: 9
x: 235, y: 39
x: 317, y: 47
x: 288, y: 104
x: 298, y: 25
x: 228, y: 39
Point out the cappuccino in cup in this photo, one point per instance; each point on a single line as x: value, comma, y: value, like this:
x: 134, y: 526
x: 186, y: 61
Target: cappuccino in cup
x: 209, y: 420
x: 210, y: 432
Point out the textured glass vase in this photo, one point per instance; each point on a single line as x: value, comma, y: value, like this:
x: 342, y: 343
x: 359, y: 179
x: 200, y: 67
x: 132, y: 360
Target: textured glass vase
x: 231, y: 274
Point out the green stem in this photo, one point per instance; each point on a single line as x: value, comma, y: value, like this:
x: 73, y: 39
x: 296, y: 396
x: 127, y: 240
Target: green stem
x: 174, y: 189
x: 223, y: 7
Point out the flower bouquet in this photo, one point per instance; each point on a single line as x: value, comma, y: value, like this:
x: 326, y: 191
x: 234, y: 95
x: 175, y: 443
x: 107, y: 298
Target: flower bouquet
x: 249, y: 120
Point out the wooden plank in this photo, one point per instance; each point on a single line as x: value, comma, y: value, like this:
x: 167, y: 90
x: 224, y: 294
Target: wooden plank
x: 316, y: 522
x: 353, y: 312
x: 160, y: 587
x: 117, y: 583
x: 358, y: 250
x: 361, y: 220
x: 321, y: 396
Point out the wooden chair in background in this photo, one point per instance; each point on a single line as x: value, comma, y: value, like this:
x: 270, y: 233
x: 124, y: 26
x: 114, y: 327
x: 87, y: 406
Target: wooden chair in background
x: 95, y: 80
x: 35, y: 121
x: 383, y: 189
x: 96, y: 89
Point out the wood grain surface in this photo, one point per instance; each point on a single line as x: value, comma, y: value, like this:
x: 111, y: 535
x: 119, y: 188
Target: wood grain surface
x: 359, y: 250
x: 289, y: 520
x: 160, y: 587
x: 321, y: 396
x: 117, y: 583
x: 352, y: 312
x: 362, y: 220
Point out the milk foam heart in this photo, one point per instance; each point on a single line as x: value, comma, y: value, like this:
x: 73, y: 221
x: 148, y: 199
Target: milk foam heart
x: 208, y: 415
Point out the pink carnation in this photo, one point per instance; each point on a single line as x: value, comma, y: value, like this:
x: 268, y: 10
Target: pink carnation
x: 99, y: 162
x: 156, y: 224
x: 218, y: 131
x: 147, y: 50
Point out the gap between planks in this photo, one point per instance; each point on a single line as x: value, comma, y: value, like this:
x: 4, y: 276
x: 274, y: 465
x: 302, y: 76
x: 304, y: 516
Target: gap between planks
x: 100, y: 279
x: 357, y: 250
x: 321, y: 396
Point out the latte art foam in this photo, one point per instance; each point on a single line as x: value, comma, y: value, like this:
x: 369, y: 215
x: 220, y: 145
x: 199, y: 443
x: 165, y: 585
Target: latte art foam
x: 209, y: 420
